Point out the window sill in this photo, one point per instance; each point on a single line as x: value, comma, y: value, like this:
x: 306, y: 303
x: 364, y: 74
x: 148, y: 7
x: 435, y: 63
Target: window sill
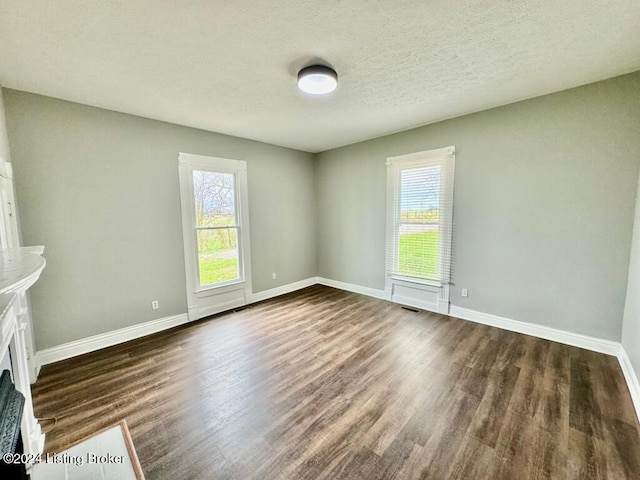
x: 421, y: 281
x: 221, y: 286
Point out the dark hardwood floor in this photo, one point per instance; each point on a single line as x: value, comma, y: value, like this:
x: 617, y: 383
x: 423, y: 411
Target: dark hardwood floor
x: 323, y: 383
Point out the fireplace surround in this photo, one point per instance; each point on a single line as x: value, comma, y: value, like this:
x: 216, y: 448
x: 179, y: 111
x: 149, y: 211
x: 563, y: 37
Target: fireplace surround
x: 20, y: 268
x: 11, y: 447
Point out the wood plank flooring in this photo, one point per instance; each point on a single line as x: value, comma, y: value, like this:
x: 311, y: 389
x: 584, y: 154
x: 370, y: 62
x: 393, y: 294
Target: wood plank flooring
x: 323, y: 383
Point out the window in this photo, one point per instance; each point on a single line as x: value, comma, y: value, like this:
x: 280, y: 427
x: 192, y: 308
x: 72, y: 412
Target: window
x: 419, y: 217
x: 215, y: 226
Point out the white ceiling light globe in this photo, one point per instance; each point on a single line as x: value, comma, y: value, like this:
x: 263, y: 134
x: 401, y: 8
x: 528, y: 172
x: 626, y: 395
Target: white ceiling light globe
x: 317, y: 80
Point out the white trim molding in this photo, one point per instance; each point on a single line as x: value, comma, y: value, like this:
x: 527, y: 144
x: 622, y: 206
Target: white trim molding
x: 594, y: 344
x: 350, y: 287
x: 431, y: 294
x: 418, y: 156
x: 108, y: 339
x: 282, y: 290
x: 122, y: 335
x: 631, y: 378
x: 541, y: 331
x: 205, y: 300
x: 97, y: 342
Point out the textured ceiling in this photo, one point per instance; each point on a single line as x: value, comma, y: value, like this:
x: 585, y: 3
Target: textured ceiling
x: 231, y: 67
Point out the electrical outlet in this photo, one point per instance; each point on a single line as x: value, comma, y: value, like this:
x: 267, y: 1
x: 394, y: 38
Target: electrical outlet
x: 465, y: 292
x: 155, y: 305
x: 273, y: 276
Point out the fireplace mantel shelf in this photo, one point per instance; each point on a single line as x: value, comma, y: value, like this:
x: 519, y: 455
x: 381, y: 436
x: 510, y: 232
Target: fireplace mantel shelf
x: 20, y: 268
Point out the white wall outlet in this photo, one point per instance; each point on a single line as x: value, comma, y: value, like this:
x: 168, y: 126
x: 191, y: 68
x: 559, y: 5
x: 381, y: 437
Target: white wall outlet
x: 465, y: 292
x: 155, y: 305
x: 273, y: 276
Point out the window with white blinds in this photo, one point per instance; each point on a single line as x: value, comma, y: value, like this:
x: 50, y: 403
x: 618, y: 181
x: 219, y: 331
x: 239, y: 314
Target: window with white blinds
x: 420, y: 215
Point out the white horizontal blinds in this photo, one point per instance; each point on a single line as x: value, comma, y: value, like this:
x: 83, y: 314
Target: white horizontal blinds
x: 216, y: 226
x: 420, y: 215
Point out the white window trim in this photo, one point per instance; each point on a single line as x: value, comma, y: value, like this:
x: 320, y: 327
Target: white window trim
x: 436, y: 290
x: 418, y: 157
x: 187, y: 163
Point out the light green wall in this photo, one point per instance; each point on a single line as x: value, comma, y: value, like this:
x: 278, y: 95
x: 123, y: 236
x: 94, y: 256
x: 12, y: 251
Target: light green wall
x: 544, y: 202
x: 100, y: 190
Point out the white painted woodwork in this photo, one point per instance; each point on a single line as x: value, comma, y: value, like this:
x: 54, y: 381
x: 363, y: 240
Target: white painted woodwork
x: 208, y: 300
x: 13, y: 339
x: 20, y: 268
x: 17, y: 270
x: 427, y: 294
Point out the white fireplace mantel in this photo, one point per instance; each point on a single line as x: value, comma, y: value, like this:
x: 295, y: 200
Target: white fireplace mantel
x: 20, y: 268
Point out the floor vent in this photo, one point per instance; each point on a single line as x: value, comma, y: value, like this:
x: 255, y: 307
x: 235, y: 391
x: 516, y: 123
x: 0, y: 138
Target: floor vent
x: 411, y: 309
x: 239, y: 309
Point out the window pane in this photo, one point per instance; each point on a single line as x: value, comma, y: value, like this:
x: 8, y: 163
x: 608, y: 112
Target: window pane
x: 419, y: 221
x: 218, y: 255
x: 418, y: 255
x: 214, y: 195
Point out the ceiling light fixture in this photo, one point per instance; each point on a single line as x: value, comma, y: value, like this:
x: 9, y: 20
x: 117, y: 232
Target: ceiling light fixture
x: 317, y: 79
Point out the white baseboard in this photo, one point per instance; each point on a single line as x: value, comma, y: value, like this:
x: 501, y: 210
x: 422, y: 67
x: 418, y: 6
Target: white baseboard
x: 561, y: 336
x: 198, y: 313
x: 115, y: 337
x: 97, y: 342
x: 282, y: 290
x: 631, y: 377
x: 549, y: 333
x: 350, y: 287
x: 540, y: 331
x: 412, y: 302
x: 103, y: 340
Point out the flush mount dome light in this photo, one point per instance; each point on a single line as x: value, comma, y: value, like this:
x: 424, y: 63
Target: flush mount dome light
x: 317, y: 79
